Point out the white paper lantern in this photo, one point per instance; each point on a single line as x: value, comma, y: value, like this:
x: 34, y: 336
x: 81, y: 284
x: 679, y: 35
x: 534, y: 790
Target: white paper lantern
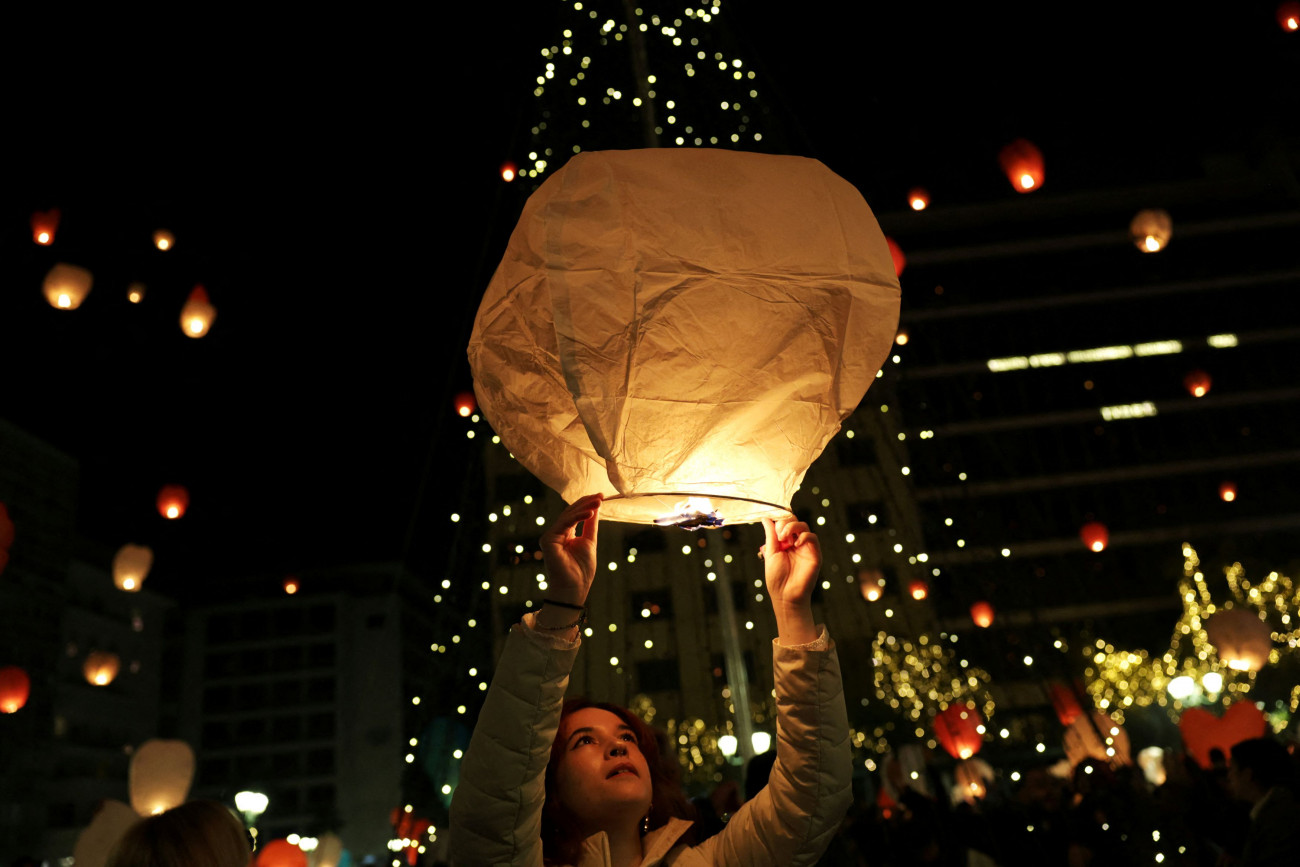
x: 683, y: 330
x: 160, y: 776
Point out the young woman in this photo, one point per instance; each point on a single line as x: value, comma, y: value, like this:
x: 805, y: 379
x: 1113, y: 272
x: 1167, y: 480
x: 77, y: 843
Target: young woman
x: 194, y: 834
x: 548, y: 784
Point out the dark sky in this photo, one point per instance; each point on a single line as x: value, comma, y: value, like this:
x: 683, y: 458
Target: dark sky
x: 333, y: 184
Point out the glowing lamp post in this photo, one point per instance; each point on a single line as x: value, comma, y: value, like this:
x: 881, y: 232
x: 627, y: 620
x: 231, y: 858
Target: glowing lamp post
x: 173, y: 500
x: 1151, y: 230
x: 66, y: 286
x: 131, y: 566
x: 683, y: 330
x: 981, y: 614
x: 1241, y: 639
x: 727, y: 745
x: 1095, y: 536
x: 44, y: 224
x: 160, y: 776
x: 101, y: 667
x: 197, y: 314
x: 15, y: 687
x: 1022, y: 162
x: 251, y: 805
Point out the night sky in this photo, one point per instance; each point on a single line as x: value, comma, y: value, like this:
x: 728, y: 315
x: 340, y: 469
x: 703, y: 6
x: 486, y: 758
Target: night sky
x: 333, y: 183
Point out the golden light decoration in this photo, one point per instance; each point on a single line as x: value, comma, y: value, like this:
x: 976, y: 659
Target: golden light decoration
x: 160, y: 776
x: 1151, y: 230
x: 1241, y: 639
x: 164, y: 240
x: 131, y: 565
x: 922, y: 678
x: 1097, y: 736
x: 101, y: 667
x: 699, y: 752
x: 718, y: 261
x: 198, y: 313
x: 66, y: 286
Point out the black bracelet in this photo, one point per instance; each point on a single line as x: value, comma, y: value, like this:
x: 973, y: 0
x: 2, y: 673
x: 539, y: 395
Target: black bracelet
x: 568, y: 605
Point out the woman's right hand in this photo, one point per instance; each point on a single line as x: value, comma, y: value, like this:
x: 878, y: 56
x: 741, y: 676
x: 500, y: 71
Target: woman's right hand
x: 570, y: 558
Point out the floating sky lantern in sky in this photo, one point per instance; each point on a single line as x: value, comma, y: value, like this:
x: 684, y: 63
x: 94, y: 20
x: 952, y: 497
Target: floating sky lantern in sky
x: 135, y: 293
x: 972, y: 778
x: 291, y: 585
x: 1228, y: 492
x: 198, y: 313
x: 1240, y: 638
x: 1197, y: 383
x: 1023, y: 163
x: 1288, y: 16
x: 896, y: 256
x: 101, y: 667
x: 918, y: 198
x: 280, y: 853
x: 173, y: 500
x: 918, y: 589
x: 683, y: 330
x: 164, y: 240
x: 870, y: 584
x: 131, y: 563
x: 1151, y: 230
x: 160, y: 776
x: 44, y: 225
x: 1065, y: 702
x: 508, y: 172
x: 66, y: 286
x: 1094, y: 535
x: 981, y: 614
x: 1096, y: 736
x: 15, y: 687
x: 465, y: 404
x: 957, y: 729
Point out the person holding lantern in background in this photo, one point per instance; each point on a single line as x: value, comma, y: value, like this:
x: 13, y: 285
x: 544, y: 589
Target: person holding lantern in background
x: 544, y: 782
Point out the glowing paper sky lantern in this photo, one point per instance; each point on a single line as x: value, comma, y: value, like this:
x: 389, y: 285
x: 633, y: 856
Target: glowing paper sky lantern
x: 981, y: 614
x: 1228, y: 492
x: 1102, y: 739
x: 919, y: 199
x: 1151, y: 230
x: 135, y: 293
x: 972, y: 778
x: 1288, y: 16
x: 956, y: 728
x: 131, y: 566
x: 173, y: 500
x: 870, y: 584
x: 508, y: 172
x: 1094, y: 535
x: 896, y: 256
x: 101, y: 667
x: 160, y: 776
x: 44, y: 225
x: 291, y: 585
x: 1241, y: 639
x: 280, y: 853
x: 164, y: 240
x: 683, y: 330
x: 15, y: 687
x: 198, y: 313
x: 66, y: 286
x: 465, y: 404
x: 1023, y: 163
x: 1065, y: 702
x: 918, y: 589
x: 1197, y: 383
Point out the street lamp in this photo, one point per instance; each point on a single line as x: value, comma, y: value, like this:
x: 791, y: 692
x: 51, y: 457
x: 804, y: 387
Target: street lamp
x: 252, y: 805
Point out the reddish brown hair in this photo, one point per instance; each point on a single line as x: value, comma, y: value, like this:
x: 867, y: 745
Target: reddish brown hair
x: 196, y: 834
x: 561, y: 841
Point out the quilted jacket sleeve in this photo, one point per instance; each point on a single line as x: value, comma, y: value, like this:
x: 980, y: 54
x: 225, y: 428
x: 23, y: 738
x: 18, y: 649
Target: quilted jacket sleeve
x: 496, y: 810
x: 792, y: 820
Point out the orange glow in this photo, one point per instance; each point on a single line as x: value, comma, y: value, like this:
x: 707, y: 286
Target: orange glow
x: 901, y: 338
x: 919, y: 589
x: 44, y: 224
x: 1197, y: 383
x: 163, y: 239
x: 131, y: 566
x: 291, y: 586
x: 919, y: 199
x: 1023, y: 163
x: 1228, y: 492
x: 172, y: 501
x: 1094, y: 535
x: 198, y: 313
x: 981, y: 613
x: 896, y: 253
x: 66, y: 286
x: 956, y: 728
x: 508, y: 172
x: 101, y: 667
x: 15, y: 687
x: 135, y: 293
x: 870, y: 584
x: 465, y: 404
x: 1288, y: 15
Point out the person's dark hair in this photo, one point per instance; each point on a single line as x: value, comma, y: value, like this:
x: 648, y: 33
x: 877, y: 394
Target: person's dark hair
x: 196, y: 834
x: 1267, y: 760
x: 560, y: 843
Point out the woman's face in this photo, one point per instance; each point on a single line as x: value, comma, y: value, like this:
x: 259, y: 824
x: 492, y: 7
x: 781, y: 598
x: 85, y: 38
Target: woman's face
x: 602, y: 779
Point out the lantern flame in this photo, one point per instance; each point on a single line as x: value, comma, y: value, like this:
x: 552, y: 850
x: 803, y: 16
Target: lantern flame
x: 1027, y: 181
x: 1152, y: 243
x: 163, y: 239
x: 128, y: 583
x: 508, y: 172
x: 43, y: 238
x: 919, y: 590
x: 692, y: 514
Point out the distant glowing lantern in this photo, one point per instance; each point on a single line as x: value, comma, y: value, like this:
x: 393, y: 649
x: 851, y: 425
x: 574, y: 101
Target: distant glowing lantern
x: 173, y: 500
x: 918, y: 198
x: 660, y: 330
x: 1151, y: 230
x: 896, y: 255
x: 918, y: 589
x: 465, y: 404
x: 1203, y: 731
x: 1197, y: 383
x: 1152, y: 762
x: 1023, y: 163
x: 329, y: 851
x: 901, y: 337
x: 972, y: 777
x: 870, y: 584
x: 163, y: 239
x: 66, y: 286
x: 1065, y: 702
x: 981, y: 613
x: 160, y: 776
x: 281, y: 853
x: 291, y: 585
x: 1099, y: 737
x: 1094, y: 535
x: 112, y: 819
x: 1241, y: 639
x: 131, y: 566
x: 1288, y: 16
x: 1227, y: 492
x: 44, y: 225
x: 135, y: 293
x: 198, y: 313
x: 15, y: 687
x: 956, y: 728
x: 101, y: 667
x: 508, y: 172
